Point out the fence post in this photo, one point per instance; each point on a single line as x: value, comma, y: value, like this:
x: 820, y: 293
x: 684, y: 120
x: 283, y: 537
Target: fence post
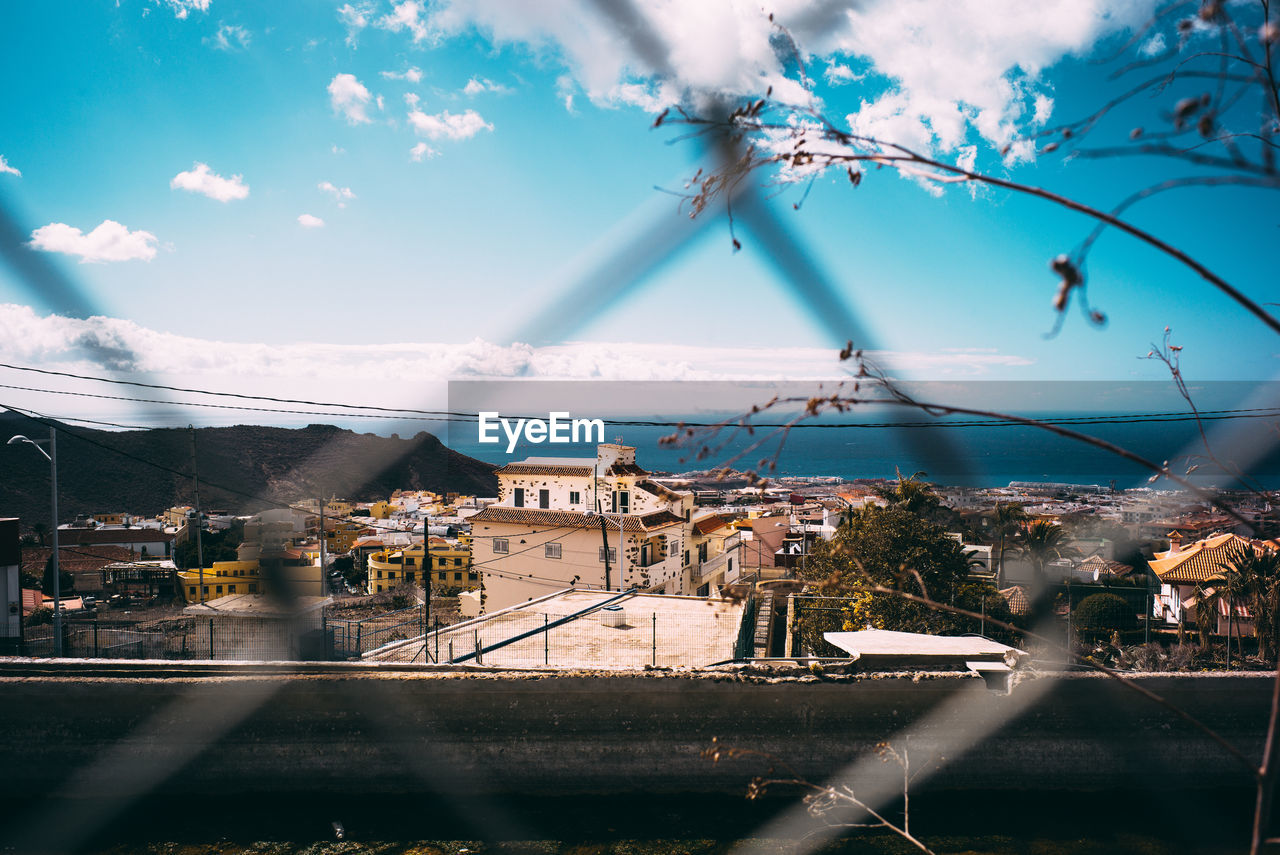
x: 451, y: 651
x: 655, y: 639
x: 475, y: 634
x: 95, y: 638
x: 210, y: 638
x: 359, y: 634
x: 437, y: 641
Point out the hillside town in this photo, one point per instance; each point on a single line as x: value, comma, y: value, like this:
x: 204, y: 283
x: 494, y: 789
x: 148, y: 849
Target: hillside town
x: 720, y: 568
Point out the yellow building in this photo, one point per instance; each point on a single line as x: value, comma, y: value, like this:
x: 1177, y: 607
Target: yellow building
x: 177, y: 515
x: 450, y: 565
x: 302, y: 577
x: 109, y: 519
x: 382, y: 510
x: 341, y: 536
x: 222, y: 579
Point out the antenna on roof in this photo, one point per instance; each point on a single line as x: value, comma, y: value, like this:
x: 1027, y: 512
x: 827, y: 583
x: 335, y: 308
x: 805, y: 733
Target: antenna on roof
x: 618, y: 439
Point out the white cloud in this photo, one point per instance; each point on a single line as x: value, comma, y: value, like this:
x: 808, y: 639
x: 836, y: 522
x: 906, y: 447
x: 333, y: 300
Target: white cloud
x: 200, y: 179
x: 970, y: 67
x: 229, y: 37
x: 947, y: 72
x: 309, y: 222
x: 337, y: 149
x: 1153, y: 45
x: 110, y: 241
x: 182, y: 8
x: 350, y: 371
x: 349, y: 97
x: 5, y: 167
x: 446, y: 125
x: 838, y: 74
x: 479, y: 85
x: 405, y: 16
x: 340, y: 194
x: 411, y: 98
x: 355, y: 17
x: 413, y: 75
x: 421, y: 152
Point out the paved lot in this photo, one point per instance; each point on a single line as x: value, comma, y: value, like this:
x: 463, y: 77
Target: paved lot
x: 652, y: 630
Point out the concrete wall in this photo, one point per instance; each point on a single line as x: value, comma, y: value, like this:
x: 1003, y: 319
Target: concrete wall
x: 353, y: 729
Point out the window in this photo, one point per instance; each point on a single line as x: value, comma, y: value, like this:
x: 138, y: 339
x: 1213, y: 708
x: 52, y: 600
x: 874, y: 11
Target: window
x: 253, y: 588
x: 551, y: 550
x: 501, y: 545
x: 544, y: 498
x: 457, y: 562
x: 517, y: 497
x: 379, y: 574
x: 231, y: 589
x: 409, y: 577
x: 702, y: 552
x: 379, y: 589
x: 622, y: 502
x: 219, y: 589
x: 575, y: 498
x: 613, y: 554
x: 472, y: 576
x: 441, y: 575
x: 457, y: 577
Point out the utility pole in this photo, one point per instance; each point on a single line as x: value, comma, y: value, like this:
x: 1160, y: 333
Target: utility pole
x: 57, y: 571
x: 323, y: 578
x: 604, y: 538
x: 195, y: 478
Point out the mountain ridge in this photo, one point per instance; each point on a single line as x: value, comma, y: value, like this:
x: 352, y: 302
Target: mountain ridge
x: 242, y: 468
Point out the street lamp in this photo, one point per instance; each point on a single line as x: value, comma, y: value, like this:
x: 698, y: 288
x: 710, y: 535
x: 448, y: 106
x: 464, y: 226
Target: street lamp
x: 52, y: 456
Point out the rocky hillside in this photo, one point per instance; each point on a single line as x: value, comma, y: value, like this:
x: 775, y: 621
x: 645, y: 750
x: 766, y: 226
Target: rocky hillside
x: 242, y: 469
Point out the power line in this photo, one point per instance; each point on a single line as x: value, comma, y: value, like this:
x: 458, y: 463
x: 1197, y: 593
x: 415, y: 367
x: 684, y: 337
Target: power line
x: 447, y: 415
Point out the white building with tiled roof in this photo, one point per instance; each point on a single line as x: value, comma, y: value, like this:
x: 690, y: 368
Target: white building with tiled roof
x: 1184, y: 567
x: 562, y: 521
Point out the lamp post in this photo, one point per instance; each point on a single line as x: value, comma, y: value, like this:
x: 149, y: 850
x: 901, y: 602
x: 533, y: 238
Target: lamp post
x: 52, y: 456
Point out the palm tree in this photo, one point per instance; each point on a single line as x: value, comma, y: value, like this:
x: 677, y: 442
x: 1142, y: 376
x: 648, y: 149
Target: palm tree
x: 1255, y: 575
x: 1042, y: 543
x: 912, y: 494
x: 1206, y: 604
x: 1006, y: 521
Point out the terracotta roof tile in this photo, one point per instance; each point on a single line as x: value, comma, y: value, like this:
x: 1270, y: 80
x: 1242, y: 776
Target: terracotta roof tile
x: 1199, y: 561
x: 572, y: 519
x: 546, y: 469
x: 708, y: 524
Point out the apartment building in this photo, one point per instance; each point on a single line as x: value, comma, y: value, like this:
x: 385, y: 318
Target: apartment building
x: 562, y: 522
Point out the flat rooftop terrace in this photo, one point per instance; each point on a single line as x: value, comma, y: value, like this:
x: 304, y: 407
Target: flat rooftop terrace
x: 638, y: 630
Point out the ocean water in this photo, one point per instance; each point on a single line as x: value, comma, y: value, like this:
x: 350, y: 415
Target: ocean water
x: 965, y: 456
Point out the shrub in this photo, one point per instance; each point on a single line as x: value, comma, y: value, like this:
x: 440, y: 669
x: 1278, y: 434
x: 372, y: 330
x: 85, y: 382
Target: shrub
x: 1104, y: 612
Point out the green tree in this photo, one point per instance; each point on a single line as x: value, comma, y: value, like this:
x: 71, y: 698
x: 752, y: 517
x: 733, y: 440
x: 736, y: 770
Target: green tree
x: 884, y: 547
x: 1007, y: 520
x: 66, y: 582
x: 1104, y: 613
x: 1042, y: 543
x: 1205, y: 604
x: 351, y: 572
x: 1254, y: 576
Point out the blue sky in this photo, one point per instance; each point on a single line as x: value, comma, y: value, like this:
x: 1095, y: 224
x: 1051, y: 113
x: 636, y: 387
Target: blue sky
x: 426, y: 266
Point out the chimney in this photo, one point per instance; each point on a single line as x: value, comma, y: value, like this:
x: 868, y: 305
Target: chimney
x: 1175, y: 541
